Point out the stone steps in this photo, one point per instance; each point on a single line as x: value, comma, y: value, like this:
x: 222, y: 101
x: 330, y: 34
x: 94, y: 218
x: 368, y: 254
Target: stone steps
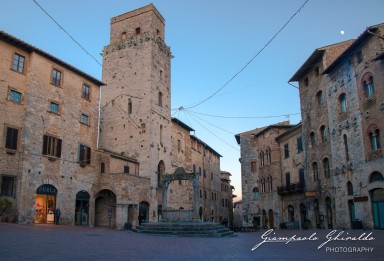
x: 187, y: 229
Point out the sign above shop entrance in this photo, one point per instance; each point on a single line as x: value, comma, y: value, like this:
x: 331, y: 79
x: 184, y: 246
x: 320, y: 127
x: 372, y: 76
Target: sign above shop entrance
x: 46, y: 189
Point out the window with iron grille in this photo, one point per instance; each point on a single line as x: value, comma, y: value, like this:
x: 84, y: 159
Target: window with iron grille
x: 7, y: 186
x: 52, y: 146
x: 18, y: 63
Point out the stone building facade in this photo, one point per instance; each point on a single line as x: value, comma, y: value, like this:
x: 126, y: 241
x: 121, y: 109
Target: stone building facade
x: 291, y: 191
x: 355, y: 84
x: 49, y: 156
x: 57, y: 153
x: 261, y: 175
x: 341, y: 90
x: 316, y: 136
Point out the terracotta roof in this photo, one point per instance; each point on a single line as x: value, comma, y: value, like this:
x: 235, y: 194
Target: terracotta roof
x: 30, y: 48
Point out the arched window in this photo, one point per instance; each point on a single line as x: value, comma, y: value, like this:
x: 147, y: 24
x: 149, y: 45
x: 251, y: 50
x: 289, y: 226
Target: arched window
x: 262, y: 185
x: 255, y: 193
x: 129, y: 106
x: 343, y: 102
x: 270, y: 183
x: 349, y: 188
x: 160, y: 173
x: 161, y: 135
x: 315, y: 170
x: 326, y: 168
x: 160, y: 99
x: 313, y: 139
x: 368, y: 86
x: 319, y: 97
x: 323, y: 132
x: 346, y: 146
x: 102, y: 167
x: 261, y: 159
x: 269, y: 156
x: 375, y: 176
x: 374, y: 137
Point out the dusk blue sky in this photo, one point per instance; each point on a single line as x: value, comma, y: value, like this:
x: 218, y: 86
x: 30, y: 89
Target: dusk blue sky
x: 211, y: 41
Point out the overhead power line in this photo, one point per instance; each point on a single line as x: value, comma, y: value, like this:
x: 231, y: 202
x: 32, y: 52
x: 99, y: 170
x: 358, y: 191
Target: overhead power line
x: 66, y: 32
x: 250, y: 61
x: 244, y: 117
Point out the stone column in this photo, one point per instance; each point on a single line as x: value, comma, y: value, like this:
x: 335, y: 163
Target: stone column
x: 195, y: 215
x: 121, y: 215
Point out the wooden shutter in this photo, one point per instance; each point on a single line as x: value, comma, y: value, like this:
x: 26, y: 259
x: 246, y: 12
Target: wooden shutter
x: 11, y: 138
x: 45, y: 145
x: 88, y: 155
x: 58, y: 148
x: 81, y: 153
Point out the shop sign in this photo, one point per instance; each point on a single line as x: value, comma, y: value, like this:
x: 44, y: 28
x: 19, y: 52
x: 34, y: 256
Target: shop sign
x: 310, y: 193
x: 360, y: 199
x: 46, y: 190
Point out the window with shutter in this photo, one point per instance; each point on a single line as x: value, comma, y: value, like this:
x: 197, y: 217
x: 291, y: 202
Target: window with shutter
x: 11, y: 138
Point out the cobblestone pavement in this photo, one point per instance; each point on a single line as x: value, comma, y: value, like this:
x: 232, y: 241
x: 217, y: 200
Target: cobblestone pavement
x: 50, y: 242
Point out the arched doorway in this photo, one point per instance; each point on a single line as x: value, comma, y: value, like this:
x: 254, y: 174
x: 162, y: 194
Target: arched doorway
x: 159, y: 212
x: 143, y: 212
x: 45, y: 204
x: 303, y: 216
x: 264, y: 218
x: 82, y: 208
x: 317, y: 212
x: 377, y: 197
x: 105, y: 209
x: 291, y: 213
x: 271, y: 219
x: 328, y: 205
x: 160, y: 173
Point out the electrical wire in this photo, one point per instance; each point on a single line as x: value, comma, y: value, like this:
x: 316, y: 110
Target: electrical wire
x: 250, y: 61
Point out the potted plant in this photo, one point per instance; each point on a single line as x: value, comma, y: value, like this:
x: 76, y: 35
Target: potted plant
x: 5, y: 204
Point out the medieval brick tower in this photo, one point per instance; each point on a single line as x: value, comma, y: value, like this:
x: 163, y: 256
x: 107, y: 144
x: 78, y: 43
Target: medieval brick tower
x: 135, y: 103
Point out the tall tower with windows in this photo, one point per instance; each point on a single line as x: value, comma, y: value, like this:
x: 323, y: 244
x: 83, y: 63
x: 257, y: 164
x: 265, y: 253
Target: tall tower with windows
x: 135, y: 103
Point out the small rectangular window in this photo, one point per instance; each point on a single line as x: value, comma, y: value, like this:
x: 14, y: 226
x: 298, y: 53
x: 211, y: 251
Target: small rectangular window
x: 52, y: 146
x: 359, y: 56
x: 54, y: 107
x: 138, y: 30
x: 7, y: 186
x: 18, y: 63
x: 84, y: 119
x: 14, y: 96
x: 286, y: 151
x: 56, y: 77
x: 126, y: 169
x: 299, y: 144
x: 84, y: 154
x: 85, y: 92
x: 253, y: 166
x: 11, y: 138
x: 205, y: 173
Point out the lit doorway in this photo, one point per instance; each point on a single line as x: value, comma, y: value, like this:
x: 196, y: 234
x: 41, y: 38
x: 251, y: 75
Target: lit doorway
x: 45, y: 204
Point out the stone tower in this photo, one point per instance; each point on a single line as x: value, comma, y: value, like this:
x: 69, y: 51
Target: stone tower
x: 135, y: 103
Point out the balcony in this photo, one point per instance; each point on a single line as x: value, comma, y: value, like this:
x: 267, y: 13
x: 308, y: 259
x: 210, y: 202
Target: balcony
x: 291, y: 189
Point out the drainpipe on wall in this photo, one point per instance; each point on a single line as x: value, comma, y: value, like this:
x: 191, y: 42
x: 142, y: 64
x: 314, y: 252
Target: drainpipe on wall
x: 98, y: 120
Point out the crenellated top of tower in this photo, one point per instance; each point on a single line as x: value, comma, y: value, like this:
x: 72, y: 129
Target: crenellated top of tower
x: 145, y: 20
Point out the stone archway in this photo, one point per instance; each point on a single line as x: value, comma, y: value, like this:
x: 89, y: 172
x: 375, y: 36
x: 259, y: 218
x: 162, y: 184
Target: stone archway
x: 105, y: 209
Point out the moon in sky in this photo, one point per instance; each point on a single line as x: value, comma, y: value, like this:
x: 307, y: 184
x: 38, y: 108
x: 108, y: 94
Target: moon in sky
x: 341, y: 32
